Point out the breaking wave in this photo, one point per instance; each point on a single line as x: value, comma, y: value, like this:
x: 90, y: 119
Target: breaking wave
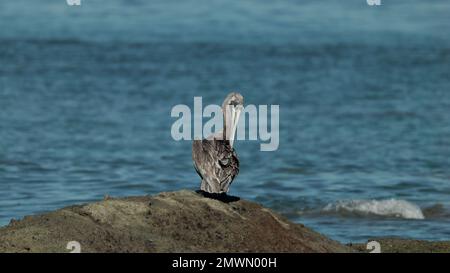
x: 385, y: 208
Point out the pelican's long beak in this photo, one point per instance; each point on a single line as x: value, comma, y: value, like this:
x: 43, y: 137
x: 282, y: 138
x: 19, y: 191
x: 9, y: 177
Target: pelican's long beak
x: 235, y: 113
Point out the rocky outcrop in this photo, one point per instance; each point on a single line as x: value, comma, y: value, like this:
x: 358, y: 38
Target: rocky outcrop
x: 182, y: 221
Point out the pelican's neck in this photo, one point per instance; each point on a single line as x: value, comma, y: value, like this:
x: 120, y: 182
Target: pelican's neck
x: 230, y: 121
x: 227, y: 122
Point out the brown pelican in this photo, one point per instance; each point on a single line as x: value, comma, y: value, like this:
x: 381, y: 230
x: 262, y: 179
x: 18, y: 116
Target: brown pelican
x: 215, y: 159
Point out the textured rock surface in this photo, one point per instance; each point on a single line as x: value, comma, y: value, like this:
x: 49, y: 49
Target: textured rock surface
x: 182, y: 221
x: 398, y: 245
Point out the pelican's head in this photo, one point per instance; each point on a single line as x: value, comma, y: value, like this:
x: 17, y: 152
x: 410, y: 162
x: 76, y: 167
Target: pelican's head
x: 232, y: 107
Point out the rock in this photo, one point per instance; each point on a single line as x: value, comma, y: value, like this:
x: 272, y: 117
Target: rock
x: 399, y: 245
x: 182, y: 221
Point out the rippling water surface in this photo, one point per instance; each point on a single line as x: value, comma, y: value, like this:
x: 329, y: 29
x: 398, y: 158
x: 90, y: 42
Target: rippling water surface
x: 86, y: 94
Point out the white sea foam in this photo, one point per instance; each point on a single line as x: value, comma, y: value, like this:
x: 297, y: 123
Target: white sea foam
x: 388, y: 208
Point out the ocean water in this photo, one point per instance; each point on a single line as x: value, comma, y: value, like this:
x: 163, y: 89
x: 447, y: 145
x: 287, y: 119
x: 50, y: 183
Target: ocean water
x: 86, y: 94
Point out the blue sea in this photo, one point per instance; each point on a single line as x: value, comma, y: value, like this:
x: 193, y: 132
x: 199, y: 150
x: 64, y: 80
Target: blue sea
x: 364, y: 93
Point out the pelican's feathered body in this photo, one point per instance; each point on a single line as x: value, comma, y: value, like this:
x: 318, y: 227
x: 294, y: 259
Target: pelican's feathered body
x: 215, y: 159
